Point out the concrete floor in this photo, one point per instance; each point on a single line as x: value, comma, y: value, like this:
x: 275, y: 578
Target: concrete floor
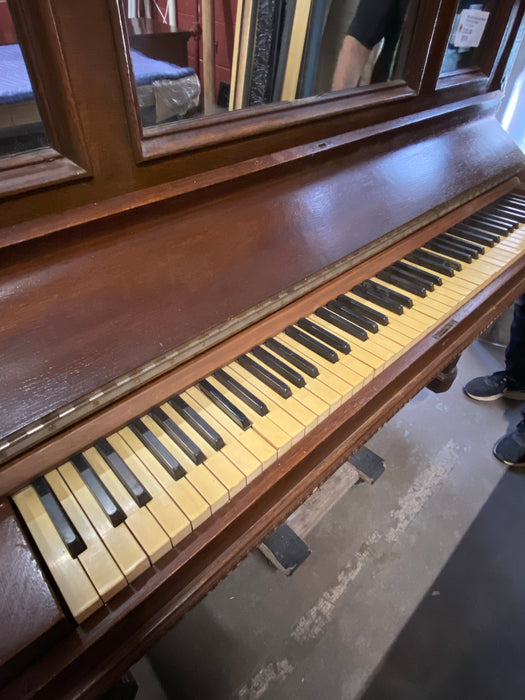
x: 330, y: 630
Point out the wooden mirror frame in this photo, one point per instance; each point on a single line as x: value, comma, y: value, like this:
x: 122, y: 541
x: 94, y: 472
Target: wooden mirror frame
x: 494, y: 50
x: 98, y: 154
x: 67, y: 157
x: 191, y: 134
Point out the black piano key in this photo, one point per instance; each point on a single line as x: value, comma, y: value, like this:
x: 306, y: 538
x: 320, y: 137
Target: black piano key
x: 431, y: 262
x: 473, y: 249
x: 390, y: 293
x: 226, y: 406
x: 398, y: 280
x: 428, y: 278
x: 490, y: 223
x: 473, y: 228
x: 507, y: 210
x: 292, y: 357
x: 286, y: 372
x: 454, y: 264
x: 312, y: 344
x: 69, y: 535
x: 136, y: 490
x: 158, y: 450
x: 503, y: 220
x: 411, y: 274
x: 448, y: 250
x: 452, y: 249
x: 97, y: 487
x: 353, y: 316
x: 462, y: 232
x: 509, y: 213
x: 198, y: 423
x: 361, y: 308
x: 178, y: 436
x: 378, y: 299
x: 342, y: 323
x: 265, y: 376
x: 513, y: 201
x: 241, y: 392
x: 514, y: 197
x: 324, y: 336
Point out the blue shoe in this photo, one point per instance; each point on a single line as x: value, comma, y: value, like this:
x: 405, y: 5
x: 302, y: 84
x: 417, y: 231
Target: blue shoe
x: 510, y: 449
x: 492, y: 387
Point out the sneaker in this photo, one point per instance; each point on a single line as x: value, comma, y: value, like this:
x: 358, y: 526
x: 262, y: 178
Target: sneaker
x: 510, y: 449
x: 492, y: 387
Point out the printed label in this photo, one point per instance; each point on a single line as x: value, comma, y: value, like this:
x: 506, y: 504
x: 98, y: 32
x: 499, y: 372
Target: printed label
x: 471, y: 26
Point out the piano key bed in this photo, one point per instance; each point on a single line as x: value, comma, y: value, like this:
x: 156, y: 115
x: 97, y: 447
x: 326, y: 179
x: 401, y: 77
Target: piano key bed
x: 106, y: 515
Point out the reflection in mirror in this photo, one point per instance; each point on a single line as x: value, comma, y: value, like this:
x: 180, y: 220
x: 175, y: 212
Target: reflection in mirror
x: 198, y: 57
x: 21, y: 127
x: 463, y: 48
x: 375, y: 45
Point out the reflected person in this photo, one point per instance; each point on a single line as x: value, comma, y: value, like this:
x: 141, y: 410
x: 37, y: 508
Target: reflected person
x: 374, y: 20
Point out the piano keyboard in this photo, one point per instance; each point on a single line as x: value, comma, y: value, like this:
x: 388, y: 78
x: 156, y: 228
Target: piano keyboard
x: 112, y: 511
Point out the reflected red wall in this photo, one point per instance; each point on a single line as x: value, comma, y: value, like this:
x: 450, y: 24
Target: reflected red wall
x: 188, y: 16
x: 7, y: 30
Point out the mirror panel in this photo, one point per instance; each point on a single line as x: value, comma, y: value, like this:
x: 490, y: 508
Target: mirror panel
x: 465, y: 44
x: 200, y: 58
x: 21, y: 127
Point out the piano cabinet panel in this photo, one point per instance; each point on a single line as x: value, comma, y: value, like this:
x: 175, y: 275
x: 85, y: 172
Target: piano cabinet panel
x: 291, y: 217
x: 31, y: 618
x: 39, y: 460
x: 86, y: 306
x: 114, y: 638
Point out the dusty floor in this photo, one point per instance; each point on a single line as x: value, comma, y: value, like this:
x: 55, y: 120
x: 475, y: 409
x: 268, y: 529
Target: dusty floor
x: 327, y: 631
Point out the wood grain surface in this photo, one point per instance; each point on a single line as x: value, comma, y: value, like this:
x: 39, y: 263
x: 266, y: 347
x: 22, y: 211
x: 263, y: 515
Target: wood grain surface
x: 31, y: 619
x: 98, y: 302
x: 95, y: 654
x: 202, y: 238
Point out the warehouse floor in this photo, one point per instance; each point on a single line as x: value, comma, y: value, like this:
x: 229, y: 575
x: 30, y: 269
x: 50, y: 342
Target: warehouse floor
x: 414, y: 588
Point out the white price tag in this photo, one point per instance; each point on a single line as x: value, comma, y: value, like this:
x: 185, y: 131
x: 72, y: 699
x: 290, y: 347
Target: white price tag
x: 470, y: 29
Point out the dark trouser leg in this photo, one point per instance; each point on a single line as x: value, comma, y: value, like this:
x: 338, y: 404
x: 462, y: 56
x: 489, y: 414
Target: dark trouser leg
x: 515, y: 352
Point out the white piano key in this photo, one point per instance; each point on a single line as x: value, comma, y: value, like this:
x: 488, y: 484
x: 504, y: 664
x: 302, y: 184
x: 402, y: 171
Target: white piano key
x: 74, y: 584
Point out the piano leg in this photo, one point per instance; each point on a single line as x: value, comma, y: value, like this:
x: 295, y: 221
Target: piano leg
x: 444, y: 380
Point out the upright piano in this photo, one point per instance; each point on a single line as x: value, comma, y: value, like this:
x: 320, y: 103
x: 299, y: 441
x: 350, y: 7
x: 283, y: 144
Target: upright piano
x: 201, y: 321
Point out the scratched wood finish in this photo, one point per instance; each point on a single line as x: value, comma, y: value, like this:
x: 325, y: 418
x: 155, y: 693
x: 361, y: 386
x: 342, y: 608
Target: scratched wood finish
x: 152, y: 280
x: 30, y: 617
x: 97, y: 653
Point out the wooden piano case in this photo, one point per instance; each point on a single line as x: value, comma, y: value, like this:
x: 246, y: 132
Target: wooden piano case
x: 161, y: 255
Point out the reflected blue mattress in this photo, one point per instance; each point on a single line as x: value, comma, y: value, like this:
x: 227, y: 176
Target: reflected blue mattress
x: 15, y: 85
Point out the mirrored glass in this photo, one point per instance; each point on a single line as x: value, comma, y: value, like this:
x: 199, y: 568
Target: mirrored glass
x: 254, y: 52
x: 21, y: 127
x: 466, y: 37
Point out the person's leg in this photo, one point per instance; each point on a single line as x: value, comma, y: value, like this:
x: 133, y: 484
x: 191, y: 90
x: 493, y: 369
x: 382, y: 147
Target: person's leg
x: 515, y: 352
x: 510, y: 449
x: 511, y: 381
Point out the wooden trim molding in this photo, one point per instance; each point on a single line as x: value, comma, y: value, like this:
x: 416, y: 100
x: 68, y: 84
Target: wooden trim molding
x: 37, y: 169
x: 192, y: 134
x: 55, y: 223
x: 67, y: 158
